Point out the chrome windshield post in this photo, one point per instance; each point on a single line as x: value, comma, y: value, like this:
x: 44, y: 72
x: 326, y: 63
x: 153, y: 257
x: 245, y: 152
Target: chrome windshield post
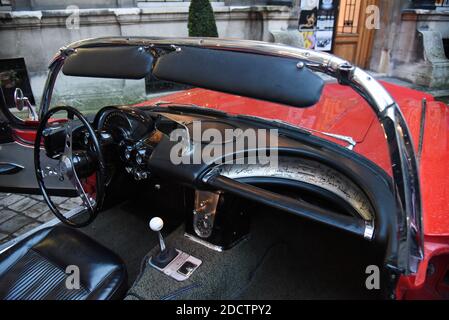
x: 403, y: 159
x: 53, y: 70
x: 404, y: 168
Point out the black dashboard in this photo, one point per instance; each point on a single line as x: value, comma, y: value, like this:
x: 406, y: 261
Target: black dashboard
x: 130, y: 133
x: 140, y: 143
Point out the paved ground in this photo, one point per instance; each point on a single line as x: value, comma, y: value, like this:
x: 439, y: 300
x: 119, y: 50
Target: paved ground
x: 20, y: 213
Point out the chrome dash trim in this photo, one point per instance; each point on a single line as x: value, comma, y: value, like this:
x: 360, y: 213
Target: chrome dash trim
x: 204, y: 243
x: 369, y: 231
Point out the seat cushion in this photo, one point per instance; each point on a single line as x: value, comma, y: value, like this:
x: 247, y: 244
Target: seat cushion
x: 45, y: 266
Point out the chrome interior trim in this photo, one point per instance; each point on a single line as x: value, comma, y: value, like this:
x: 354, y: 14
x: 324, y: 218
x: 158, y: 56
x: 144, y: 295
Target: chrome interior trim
x: 350, y: 140
x: 204, y: 243
x: 12, y: 164
x: 205, y: 208
x: 310, y: 172
x: 369, y: 231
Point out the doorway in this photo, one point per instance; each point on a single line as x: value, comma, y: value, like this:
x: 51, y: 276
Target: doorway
x: 354, y: 40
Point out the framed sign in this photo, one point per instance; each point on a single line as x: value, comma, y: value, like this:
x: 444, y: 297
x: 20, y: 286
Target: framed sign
x: 13, y: 74
x: 317, y: 23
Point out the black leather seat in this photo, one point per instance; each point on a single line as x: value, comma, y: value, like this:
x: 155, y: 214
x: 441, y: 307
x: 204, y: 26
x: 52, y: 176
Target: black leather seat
x: 35, y: 268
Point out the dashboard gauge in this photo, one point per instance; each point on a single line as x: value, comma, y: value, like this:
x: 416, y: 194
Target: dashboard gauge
x: 117, y: 124
x: 203, y: 225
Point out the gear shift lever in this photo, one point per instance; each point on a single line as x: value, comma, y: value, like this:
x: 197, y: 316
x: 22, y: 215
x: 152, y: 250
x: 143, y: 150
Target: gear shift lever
x: 156, y: 224
x: 165, y: 255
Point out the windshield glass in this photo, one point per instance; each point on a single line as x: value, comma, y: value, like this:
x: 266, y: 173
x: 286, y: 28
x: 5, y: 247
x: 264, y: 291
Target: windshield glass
x: 332, y: 114
x: 341, y: 116
x: 91, y: 94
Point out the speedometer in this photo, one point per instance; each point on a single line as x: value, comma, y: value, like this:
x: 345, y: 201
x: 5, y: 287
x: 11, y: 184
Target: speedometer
x: 117, y: 124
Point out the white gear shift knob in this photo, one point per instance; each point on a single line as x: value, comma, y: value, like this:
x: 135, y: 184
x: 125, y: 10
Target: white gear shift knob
x: 156, y: 224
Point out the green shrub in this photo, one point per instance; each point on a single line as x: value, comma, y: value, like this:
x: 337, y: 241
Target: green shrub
x: 201, y: 19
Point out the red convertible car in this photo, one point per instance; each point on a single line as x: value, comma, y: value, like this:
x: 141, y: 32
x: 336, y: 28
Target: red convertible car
x: 258, y: 180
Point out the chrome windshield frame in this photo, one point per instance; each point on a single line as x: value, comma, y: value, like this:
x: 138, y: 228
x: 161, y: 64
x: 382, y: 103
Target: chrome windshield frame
x: 401, y: 150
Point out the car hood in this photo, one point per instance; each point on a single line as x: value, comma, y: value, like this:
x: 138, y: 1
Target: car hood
x: 342, y: 111
x: 433, y: 156
x: 337, y: 111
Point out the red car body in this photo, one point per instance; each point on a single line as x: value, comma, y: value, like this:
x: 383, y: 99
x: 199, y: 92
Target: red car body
x: 342, y: 111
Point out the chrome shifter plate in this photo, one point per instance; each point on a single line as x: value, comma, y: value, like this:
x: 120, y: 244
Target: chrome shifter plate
x: 181, y: 268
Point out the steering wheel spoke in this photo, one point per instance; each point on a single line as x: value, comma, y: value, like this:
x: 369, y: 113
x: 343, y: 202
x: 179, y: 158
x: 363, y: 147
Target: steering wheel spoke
x: 67, y: 163
x: 68, y: 136
x: 88, y: 202
x: 50, y: 168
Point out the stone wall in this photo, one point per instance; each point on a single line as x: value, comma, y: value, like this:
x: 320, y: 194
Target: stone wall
x: 37, y: 35
x: 409, y: 44
x: 419, y: 54
x: 385, y: 38
x: 21, y: 5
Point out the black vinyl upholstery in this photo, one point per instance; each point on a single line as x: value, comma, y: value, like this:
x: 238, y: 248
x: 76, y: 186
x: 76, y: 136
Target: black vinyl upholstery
x: 258, y: 76
x: 35, y: 268
x: 120, y: 62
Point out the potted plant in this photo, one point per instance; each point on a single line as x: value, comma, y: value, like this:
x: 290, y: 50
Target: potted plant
x: 201, y: 19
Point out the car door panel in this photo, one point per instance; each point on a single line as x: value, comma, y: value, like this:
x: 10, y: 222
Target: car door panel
x: 17, y: 162
x: 25, y: 136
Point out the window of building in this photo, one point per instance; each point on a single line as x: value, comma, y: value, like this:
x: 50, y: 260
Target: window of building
x: 348, y: 18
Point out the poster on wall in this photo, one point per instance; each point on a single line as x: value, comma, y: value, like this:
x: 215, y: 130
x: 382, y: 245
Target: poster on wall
x: 317, y: 23
x: 13, y: 74
x: 307, y: 22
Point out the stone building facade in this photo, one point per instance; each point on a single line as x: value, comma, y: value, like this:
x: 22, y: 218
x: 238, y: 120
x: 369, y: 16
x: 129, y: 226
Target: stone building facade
x: 412, y: 42
x: 36, y: 29
x: 38, y: 33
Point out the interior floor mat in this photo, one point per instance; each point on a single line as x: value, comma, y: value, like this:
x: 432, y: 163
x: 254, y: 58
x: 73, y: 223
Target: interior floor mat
x: 285, y: 275
x: 124, y: 229
x: 284, y: 258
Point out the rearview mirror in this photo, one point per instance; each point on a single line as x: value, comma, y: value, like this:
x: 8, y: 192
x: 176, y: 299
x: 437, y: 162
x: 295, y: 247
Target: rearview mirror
x: 19, y: 99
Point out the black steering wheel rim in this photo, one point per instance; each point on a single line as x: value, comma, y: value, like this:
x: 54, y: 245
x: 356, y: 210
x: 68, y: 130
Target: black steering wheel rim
x: 100, y: 172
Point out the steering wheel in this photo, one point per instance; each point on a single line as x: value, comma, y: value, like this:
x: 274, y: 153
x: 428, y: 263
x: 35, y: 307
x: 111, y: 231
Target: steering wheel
x: 65, y: 167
